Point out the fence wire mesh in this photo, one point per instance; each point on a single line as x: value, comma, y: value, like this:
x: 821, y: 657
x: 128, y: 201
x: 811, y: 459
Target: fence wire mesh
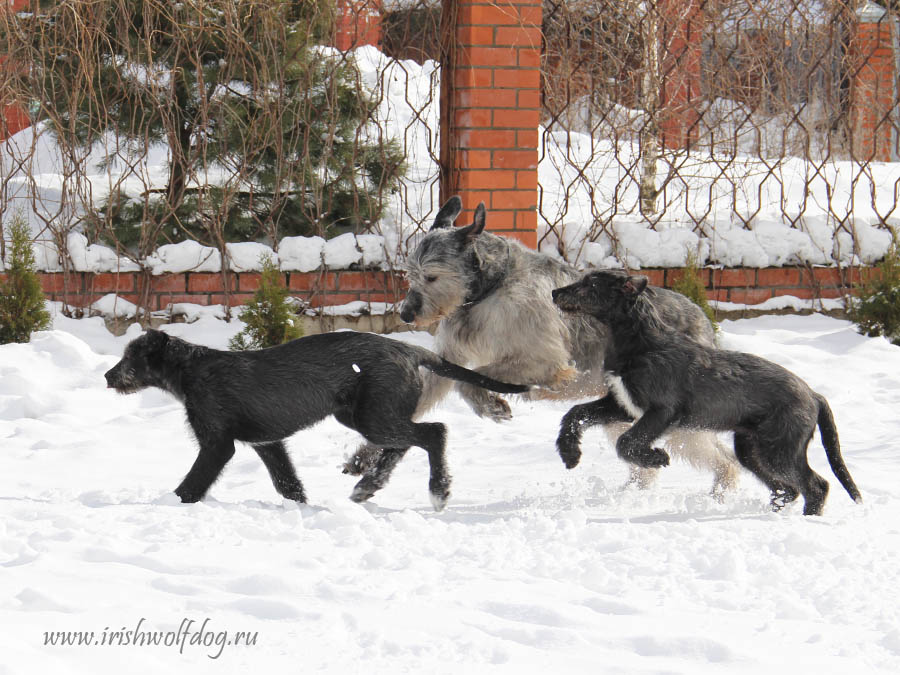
x: 721, y: 119
x: 744, y: 132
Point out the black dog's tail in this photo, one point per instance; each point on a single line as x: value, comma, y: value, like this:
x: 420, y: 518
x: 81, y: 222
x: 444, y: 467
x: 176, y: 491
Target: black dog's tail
x: 444, y: 368
x: 833, y: 449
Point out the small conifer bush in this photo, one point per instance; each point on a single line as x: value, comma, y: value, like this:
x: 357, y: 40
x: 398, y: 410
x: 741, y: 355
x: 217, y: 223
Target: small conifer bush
x: 692, y: 287
x: 875, y: 307
x: 22, y: 309
x: 269, y: 316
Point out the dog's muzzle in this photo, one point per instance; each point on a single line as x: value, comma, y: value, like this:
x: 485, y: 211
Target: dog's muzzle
x: 115, y: 380
x: 563, y: 299
x: 410, y: 307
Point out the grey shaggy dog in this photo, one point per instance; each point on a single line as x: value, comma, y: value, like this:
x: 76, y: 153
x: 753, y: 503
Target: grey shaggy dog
x: 491, y: 300
x: 660, y: 378
x: 368, y: 382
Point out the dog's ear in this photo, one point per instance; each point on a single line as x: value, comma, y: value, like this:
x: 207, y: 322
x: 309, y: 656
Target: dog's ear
x: 156, y: 339
x: 469, y: 232
x: 634, y: 286
x: 448, y: 213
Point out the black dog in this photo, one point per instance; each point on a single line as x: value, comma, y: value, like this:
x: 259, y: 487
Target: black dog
x: 664, y: 379
x: 368, y: 382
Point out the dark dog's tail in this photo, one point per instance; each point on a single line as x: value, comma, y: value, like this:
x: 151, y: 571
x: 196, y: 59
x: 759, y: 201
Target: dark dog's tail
x: 445, y: 368
x: 833, y: 449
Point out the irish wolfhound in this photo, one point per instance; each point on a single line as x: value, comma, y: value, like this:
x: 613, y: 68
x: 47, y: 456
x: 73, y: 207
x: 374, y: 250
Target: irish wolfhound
x: 662, y: 379
x: 368, y: 382
x: 491, y: 298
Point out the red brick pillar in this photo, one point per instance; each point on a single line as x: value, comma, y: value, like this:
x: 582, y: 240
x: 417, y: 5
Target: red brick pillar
x: 873, y: 85
x: 490, y: 110
x: 358, y: 23
x: 680, y: 36
x: 13, y: 117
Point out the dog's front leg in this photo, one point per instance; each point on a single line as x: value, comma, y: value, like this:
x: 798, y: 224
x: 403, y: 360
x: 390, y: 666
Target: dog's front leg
x: 485, y: 403
x: 602, y: 411
x: 214, y: 455
x: 488, y: 404
x: 281, y: 471
x: 634, y: 445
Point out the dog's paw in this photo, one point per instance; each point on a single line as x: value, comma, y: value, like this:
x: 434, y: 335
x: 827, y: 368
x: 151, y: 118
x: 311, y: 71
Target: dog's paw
x: 439, y: 491
x: 782, y: 497
x: 439, y: 501
x: 496, y: 409
x: 188, y: 496
x: 362, y: 492
x: 365, y: 457
x: 649, y: 458
x: 295, y: 495
x: 569, y: 451
x: 657, y: 457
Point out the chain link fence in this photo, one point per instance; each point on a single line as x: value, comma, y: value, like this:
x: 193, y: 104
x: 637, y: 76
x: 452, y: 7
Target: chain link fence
x: 744, y: 133
x: 734, y: 127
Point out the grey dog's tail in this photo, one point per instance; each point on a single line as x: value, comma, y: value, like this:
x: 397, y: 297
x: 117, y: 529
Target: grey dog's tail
x: 833, y: 449
x: 444, y: 368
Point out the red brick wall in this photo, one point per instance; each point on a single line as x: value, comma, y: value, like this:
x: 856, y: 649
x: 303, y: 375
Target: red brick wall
x: 80, y: 289
x: 358, y: 23
x: 751, y: 286
x: 738, y: 285
x: 490, y: 111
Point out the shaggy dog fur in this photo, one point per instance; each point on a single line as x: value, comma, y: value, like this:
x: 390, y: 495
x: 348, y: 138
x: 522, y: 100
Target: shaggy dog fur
x: 663, y: 379
x: 368, y: 382
x: 491, y: 299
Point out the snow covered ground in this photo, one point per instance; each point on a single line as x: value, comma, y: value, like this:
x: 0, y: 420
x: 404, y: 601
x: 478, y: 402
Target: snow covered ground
x: 530, y: 569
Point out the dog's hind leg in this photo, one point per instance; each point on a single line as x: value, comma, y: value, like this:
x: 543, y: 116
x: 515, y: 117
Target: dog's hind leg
x: 364, y: 459
x: 368, y: 455
x: 281, y: 471
x: 432, y: 436
x: 812, y: 486
x: 376, y: 477
x: 814, y: 489
x: 214, y: 455
x: 748, y: 453
x: 580, y: 417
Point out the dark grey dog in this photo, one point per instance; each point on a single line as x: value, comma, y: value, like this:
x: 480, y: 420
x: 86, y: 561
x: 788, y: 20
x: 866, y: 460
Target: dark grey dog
x: 368, y: 382
x: 491, y: 299
x: 663, y: 379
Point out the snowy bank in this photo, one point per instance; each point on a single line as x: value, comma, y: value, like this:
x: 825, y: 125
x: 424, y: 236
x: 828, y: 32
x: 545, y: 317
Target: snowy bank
x: 531, y: 569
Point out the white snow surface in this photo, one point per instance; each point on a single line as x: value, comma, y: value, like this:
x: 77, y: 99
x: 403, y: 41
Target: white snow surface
x: 247, y: 256
x: 530, y: 569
